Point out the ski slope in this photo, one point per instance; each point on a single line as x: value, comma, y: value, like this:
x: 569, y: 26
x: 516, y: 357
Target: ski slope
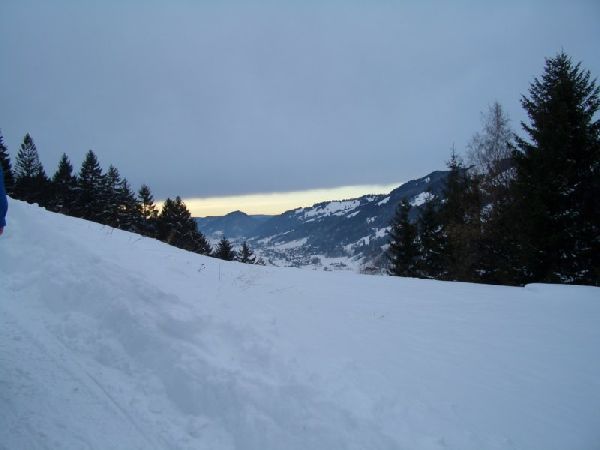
x: 113, y: 341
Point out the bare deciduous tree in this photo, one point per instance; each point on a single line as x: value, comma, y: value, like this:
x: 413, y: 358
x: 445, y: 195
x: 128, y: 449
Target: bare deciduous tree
x: 490, y: 151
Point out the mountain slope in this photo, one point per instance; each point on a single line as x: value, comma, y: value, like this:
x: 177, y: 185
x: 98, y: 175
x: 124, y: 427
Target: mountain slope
x: 110, y: 340
x: 346, y: 234
x: 236, y: 224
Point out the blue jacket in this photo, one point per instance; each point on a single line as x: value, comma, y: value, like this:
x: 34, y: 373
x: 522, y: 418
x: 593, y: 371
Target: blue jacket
x: 3, y: 200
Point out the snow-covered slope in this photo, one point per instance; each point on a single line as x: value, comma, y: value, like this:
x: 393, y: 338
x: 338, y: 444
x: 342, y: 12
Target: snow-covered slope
x: 112, y: 341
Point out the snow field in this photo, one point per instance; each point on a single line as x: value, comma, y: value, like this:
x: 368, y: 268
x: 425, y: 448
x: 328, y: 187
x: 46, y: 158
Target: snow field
x: 110, y: 340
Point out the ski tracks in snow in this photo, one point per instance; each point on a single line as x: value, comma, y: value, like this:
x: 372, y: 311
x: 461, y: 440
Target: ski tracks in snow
x: 37, y: 377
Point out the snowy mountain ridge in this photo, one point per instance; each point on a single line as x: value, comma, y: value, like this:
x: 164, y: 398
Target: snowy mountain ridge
x: 109, y: 340
x: 333, y: 235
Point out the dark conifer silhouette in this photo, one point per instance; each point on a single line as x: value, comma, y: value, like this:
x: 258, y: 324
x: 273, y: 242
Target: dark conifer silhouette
x: 90, y: 189
x: 246, y: 255
x: 461, y: 220
x: 177, y: 227
x: 31, y: 182
x: 224, y: 250
x: 109, y: 198
x: 148, y: 212
x: 432, y: 241
x: 64, y: 187
x: 403, y: 252
x: 129, y: 215
x: 557, y: 188
x: 491, y: 154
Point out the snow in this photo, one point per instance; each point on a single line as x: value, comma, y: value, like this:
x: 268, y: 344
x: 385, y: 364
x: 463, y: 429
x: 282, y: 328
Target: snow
x: 113, y: 341
x: 381, y: 232
x: 322, y: 262
x: 349, y: 248
x: 383, y: 202
x: 337, y: 208
x: 266, y: 241
x: 291, y: 244
x: 421, y: 199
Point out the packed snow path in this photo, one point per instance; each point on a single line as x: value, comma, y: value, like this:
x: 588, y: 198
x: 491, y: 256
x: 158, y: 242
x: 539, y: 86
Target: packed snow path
x: 112, y: 341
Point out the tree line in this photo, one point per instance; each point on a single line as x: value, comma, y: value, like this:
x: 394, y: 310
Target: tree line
x: 522, y: 209
x: 107, y: 198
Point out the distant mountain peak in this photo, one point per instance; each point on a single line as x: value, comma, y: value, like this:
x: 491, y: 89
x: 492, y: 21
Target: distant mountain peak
x: 237, y: 213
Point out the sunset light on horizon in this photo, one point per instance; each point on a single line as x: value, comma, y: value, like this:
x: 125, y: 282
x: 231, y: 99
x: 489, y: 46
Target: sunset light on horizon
x: 278, y: 202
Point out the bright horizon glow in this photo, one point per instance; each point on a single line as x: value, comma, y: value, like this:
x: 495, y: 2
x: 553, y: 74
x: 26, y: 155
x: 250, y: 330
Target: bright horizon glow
x: 278, y: 202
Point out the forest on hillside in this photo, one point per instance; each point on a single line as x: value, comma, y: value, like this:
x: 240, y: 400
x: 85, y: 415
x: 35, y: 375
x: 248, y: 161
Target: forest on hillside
x: 522, y: 208
x: 517, y: 209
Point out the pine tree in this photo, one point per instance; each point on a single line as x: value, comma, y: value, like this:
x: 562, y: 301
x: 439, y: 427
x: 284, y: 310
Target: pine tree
x: 461, y: 223
x: 224, y: 250
x: 200, y: 243
x: 129, y: 212
x: 246, y: 255
x: 167, y: 222
x: 109, y: 198
x: 148, y: 212
x: 403, y: 251
x: 499, y: 254
x: 9, y: 179
x: 90, y: 189
x: 177, y: 227
x: 490, y: 154
x: 64, y: 186
x: 31, y: 182
x: 557, y: 187
x: 432, y: 241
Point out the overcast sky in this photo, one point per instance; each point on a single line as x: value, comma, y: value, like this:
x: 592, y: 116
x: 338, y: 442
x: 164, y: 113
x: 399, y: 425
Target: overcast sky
x: 211, y: 99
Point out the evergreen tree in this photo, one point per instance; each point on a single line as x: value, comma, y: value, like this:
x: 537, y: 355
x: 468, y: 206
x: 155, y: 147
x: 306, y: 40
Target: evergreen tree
x: 117, y: 204
x: 109, y: 198
x: 91, y: 189
x: 499, y: 254
x: 129, y: 214
x: 490, y: 154
x: 177, y: 227
x: 246, y: 255
x: 224, y: 250
x: 432, y: 241
x: 64, y: 186
x: 9, y: 179
x: 167, y: 221
x: 403, y: 251
x: 557, y: 187
x: 31, y: 182
x: 148, y: 212
x: 461, y: 223
x: 200, y: 243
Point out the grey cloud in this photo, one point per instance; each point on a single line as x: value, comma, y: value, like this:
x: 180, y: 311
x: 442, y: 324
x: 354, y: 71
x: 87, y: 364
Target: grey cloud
x: 201, y: 99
